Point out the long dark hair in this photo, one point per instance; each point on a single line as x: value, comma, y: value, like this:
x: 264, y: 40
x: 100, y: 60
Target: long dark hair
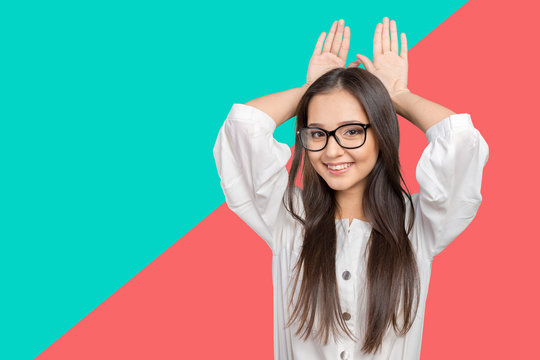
x: 391, y: 270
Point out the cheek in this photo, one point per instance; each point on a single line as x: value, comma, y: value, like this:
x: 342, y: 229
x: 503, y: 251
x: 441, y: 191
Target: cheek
x: 370, y: 150
x: 365, y: 159
x: 364, y: 154
x: 313, y: 158
x: 373, y: 145
x: 316, y: 163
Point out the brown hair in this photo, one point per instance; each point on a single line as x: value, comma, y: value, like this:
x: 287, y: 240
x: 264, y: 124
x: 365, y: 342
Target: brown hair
x: 391, y: 269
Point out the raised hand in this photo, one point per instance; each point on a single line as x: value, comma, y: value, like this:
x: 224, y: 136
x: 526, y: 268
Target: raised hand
x: 390, y: 67
x: 334, y: 53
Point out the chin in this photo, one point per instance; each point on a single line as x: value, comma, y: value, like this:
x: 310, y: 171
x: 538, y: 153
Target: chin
x: 337, y: 184
x: 338, y: 187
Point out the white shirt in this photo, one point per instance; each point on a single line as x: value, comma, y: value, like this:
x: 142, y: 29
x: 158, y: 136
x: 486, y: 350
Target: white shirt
x: 252, y: 168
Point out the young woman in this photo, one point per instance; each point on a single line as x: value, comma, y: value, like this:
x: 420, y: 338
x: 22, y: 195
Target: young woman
x: 352, y: 250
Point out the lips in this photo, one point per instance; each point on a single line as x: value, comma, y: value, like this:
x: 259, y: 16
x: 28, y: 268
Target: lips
x: 340, y: 171
x: 339, y: 167
x: 336, y: 164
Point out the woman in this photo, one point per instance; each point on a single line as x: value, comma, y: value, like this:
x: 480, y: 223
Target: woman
x: 352, y: 249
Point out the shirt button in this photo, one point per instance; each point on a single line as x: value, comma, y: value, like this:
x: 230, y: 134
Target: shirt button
x: 346, y: 316
x: 346, y: 275
x: 344, y: 355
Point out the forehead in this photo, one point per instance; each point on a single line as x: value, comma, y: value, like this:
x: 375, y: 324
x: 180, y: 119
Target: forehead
x: 329, y: 111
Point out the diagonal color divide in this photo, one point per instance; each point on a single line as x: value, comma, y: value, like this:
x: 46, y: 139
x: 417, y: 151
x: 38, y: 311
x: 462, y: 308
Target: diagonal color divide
x: 210, y: 296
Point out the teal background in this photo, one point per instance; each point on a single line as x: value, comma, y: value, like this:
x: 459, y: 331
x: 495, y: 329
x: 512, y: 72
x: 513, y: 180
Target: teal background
x: 109, y: 113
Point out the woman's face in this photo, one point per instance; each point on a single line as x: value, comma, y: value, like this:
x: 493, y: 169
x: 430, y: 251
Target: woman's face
x: 327, y: 111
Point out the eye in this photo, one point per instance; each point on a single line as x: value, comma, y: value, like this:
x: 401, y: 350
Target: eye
x: 317, y: 134
x: 352, y: 131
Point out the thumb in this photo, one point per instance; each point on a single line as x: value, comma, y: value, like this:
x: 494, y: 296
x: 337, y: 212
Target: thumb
x: 354, y: 64
x: 367, y: 63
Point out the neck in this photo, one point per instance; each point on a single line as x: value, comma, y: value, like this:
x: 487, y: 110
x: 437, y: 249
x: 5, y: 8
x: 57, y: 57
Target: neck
x: 350, y: 204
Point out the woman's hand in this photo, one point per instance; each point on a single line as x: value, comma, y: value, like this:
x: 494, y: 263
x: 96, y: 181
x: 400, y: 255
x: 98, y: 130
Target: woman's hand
x: 329, y: 59
x: 387, y: 65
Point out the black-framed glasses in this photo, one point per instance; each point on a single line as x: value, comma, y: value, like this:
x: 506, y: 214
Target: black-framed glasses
x: 348, y: 136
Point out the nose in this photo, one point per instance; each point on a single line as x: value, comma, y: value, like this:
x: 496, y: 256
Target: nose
x: 333, y: 149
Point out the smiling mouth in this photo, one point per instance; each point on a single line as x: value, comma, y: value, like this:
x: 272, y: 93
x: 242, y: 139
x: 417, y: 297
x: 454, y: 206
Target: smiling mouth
x: 339, y: 167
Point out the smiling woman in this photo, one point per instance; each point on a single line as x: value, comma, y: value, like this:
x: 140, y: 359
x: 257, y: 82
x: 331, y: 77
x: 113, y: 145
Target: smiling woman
x: 362, y: 287
x: 368, y: 190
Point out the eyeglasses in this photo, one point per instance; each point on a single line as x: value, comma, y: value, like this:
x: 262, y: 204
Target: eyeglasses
x: 348, y: 136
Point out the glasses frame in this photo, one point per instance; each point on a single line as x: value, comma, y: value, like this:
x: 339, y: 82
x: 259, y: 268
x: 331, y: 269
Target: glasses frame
x: 333, y: 133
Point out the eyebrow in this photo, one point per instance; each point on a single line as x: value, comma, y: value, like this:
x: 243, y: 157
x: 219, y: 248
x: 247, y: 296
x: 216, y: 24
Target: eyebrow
x: 340, y: 123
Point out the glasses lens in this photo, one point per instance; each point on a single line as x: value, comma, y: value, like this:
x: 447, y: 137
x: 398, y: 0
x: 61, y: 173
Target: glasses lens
x: 350, y: 136
x: 313, y: 139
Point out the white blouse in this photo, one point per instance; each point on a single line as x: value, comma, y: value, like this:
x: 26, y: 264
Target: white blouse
x: 251, y: 165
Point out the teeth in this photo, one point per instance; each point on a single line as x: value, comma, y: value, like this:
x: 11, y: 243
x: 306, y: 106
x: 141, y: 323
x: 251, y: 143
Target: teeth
x: 339, y: 167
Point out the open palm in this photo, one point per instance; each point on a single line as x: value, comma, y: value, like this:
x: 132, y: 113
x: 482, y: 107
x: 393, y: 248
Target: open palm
x: 334, y: 53
x: 389, y: 66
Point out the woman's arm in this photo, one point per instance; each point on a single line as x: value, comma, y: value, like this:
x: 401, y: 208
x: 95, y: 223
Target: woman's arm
x: 419, y: 111
x: 281, y: 106
x: 251, y: 163
x: 391, y: 68
x: 450, y: 169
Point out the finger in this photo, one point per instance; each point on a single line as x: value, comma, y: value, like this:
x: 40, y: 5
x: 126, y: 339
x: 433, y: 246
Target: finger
x: 393, y: 37
x: 354, y: 64
x: 377, y: 40
x: 318, y: 46
x: 336, y: 44
x: 403, y: 46
x: 385, y: 38
x: 367, y: 63
x: 329, y: 38
x: 345, y: 45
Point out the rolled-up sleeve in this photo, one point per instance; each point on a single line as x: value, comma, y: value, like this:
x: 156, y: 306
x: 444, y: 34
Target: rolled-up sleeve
x: 252, y: 167
x: 449, y: 174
